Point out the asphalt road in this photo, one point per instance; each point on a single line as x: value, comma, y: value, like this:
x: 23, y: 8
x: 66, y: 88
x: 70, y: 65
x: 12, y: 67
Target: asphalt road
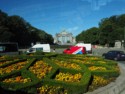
x: 95, y: 51
x: 123, y: 66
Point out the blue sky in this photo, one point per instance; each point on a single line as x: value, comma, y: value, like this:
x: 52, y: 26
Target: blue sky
x: 54, y: 16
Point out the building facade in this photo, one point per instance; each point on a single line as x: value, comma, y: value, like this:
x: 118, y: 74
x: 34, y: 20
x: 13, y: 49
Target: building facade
x: 119, y: 44
x: 64, y: 38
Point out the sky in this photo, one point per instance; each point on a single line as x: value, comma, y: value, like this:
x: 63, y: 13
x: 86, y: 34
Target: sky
x: 54, y: 16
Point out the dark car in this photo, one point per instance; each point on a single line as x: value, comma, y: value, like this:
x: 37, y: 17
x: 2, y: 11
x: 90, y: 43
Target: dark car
x: 114, y: 55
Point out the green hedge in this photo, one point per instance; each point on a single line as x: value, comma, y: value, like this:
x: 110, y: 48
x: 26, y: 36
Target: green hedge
x: 16, y: 71
x: 20, y: 86
x: 72, y: 87
x: 109, y: 64
x: 109, y: 72
x: 75, y: 87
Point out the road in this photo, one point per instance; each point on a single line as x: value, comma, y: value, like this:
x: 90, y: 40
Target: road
x: 95, y: 51
x: 123, y: 66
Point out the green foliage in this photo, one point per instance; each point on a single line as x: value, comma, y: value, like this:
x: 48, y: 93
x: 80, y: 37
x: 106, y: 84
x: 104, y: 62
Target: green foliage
x: 16, y: 29
x: 30, y: 87
x: 104, y: 68
x: 109, y: 30
x: 109, y: 72
x: 89, y: 36
x: 39, y: 53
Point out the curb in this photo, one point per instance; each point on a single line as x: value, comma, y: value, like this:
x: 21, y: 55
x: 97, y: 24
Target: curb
x: 116, y: 87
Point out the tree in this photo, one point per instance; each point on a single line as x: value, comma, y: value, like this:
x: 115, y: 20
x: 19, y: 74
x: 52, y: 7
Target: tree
x: 121, y: 21
x: 16, y: 29
x: 80, y: 37
x: 41, y: 36
x: 3, y: 18
x: 5, y: 35
x: 89, y: 36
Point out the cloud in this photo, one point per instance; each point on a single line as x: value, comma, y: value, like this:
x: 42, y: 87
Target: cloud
x: 97, y: 4
x: 73, y: 30
x: 36, y: 8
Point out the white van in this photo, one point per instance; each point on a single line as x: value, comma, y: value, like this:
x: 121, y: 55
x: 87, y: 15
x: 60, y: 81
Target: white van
x: 88, y: 46
x: 39, y: 47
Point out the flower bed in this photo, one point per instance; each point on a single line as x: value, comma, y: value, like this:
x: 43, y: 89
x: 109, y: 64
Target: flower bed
x: 71, y: 74
x: 99, y: 81
x: 49, y: 89
x: 14, y: 66
x: 66, y: 64
x: 68, y: 77
x: 17, y: 79
x: 40, y: 69
x: 4, y: 62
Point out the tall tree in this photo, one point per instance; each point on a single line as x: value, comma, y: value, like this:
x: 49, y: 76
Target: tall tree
x: 89, y: 36
x: 121, y: 20
x: 107, y: 27
x: 16, y: 29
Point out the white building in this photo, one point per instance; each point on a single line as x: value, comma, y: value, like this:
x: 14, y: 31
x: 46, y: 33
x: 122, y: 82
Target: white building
x: 64, y: 38
x: 119, y: 44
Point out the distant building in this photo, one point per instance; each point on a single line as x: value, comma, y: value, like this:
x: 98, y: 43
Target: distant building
x: 119, y: 44
x: 64, y: 38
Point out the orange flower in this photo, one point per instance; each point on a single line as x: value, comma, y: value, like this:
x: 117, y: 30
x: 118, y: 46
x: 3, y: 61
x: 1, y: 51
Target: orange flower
x: 18, y: 78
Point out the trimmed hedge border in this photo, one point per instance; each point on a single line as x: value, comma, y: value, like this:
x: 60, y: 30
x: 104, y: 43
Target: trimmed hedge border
x: 73, y: 87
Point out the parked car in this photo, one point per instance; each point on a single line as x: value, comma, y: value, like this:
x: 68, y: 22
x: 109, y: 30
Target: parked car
x: 114, y: 55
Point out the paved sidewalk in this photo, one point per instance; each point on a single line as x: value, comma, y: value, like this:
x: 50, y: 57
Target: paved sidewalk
x: 123, y: 92
x: 116, y: 87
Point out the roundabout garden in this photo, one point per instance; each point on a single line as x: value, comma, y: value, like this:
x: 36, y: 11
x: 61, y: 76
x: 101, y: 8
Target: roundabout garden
x: 51, y: 73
